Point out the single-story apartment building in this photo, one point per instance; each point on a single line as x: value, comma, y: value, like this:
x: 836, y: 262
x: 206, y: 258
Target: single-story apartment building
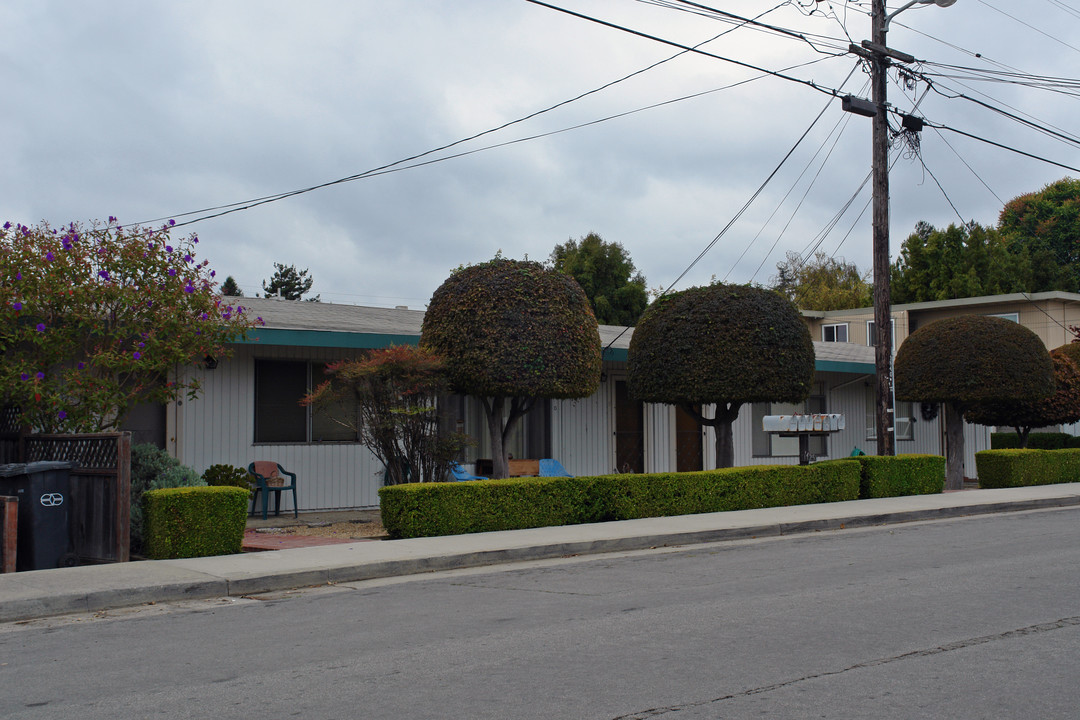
x: 248, y: 409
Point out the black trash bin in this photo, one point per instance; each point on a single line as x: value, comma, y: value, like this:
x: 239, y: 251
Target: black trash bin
x: 44, y: 536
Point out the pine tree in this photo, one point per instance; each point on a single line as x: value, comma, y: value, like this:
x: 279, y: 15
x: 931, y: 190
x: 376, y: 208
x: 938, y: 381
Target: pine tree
x: 289, y: 283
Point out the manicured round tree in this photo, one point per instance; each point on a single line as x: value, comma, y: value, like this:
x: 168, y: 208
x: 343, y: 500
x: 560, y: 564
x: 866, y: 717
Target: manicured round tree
x: 513, y: 331
x: 722, y: 345
x: 968, y: 361
x: 1061, y: 407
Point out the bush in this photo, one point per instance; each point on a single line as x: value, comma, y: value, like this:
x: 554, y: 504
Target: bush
x: 1036, y: 441
x: 1022, y: 468
x: 194, y: 521
x: 901, y: 475
x: 228, y: 476
x: 433, y: 509
x: 153, y: 469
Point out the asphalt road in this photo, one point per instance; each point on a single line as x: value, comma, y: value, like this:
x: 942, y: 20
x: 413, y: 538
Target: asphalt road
x: 972, y: 618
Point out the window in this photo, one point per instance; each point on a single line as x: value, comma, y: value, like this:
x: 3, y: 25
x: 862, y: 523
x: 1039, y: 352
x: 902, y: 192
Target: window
x: 903, y: 418
x: 771, y: 445
x: 279, y: 417
x: 834, y: 333
x: 871, y: 333
x: 1012, y: 317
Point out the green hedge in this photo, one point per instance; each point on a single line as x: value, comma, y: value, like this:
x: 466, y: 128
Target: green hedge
x: 1020, y: 468
x: 901, y: 475
x: 194, y: 521
x: 1036, y: 441
x: 454, y: 508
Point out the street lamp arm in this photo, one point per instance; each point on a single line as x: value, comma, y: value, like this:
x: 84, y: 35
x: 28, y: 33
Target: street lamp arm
x: 912, y: 3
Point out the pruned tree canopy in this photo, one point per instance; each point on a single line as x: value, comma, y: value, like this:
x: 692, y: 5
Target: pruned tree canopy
x: 1023, y: 415
x: 513, y: 330
x: 973, y: 359
x: 721, y: 344
x: 966, y: 361
x: 725, y: 345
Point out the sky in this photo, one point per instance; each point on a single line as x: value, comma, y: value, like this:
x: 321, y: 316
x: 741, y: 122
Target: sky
x: 148, y: 110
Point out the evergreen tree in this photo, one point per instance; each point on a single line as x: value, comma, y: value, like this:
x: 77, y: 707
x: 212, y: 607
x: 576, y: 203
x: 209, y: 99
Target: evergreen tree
x: 289, y: 283
x: 616, y: 290
x: 230, y: 288
x: 823, y: 283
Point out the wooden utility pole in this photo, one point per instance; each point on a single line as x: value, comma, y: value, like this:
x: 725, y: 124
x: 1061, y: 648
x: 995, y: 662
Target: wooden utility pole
x: 882, y: 309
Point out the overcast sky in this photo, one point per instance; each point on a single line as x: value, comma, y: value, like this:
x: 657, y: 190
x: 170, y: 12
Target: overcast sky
x: 146, y: 110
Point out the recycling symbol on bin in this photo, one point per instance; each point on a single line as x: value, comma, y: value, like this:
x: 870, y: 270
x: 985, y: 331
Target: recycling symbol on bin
x: 52, y: 499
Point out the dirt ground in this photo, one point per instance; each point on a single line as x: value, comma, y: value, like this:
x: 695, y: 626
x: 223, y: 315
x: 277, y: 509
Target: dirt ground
x: 340, y: 524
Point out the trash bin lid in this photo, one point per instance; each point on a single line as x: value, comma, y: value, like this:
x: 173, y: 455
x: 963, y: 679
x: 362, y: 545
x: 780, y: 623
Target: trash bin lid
x: 13, y: 469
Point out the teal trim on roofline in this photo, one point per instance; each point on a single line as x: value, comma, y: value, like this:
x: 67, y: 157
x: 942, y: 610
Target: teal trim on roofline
x: 844, y: 367
x: 336, y: 339
x: 325, y: 338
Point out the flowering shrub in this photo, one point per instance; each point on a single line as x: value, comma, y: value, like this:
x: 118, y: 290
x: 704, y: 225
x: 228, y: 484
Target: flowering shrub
x: 95, y: 320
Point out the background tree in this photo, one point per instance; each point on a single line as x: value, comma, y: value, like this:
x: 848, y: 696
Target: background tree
x: 1061, y: 407
x: 722, y: 344
x: 394, y: 390
x: 229, y: 288
x: 966, y: 361
x: 512, y: 332
x: 1046, y: 224
x: 823, y: 283
x: 616, y: 290
x: 95, y: 320
x: 957, y: 262
x: 289, y: 283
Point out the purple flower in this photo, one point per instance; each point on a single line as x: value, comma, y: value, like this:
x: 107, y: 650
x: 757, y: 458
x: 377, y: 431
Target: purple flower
x: 18, y: 276
x: 195, y: 239
x: 204, y: 316
x: 189, y: 288
x: 61, y: 415
x: 187, y: 258
x: 142, y: 344
x: 136, y: 354
x: 112, y: 219
x: 24, y: 376
x: 171, y: 223
x: 41, y: 327
x: 82, y: 365
x: 149, y: 246
x: 40, y: 376
x: 66, y: 243
x: 259, y: 320
x: 168, y: 248
x: 103, y: 274
x: 7, y: 226
x: 49, y: 256
x: 17, y: 305
x: 172, y: 272
x: 213, y: 273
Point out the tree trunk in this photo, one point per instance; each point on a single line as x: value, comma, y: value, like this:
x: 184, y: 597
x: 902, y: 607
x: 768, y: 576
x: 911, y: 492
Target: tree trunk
x: 725, y: 444
x: 500, y: 468
x: 954, y: 447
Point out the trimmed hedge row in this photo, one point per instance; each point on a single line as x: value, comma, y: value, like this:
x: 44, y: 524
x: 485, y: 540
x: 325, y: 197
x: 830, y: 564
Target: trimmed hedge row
x: 1036, y: 441
x: 454, y: 508
x: 901, y: 475
x: 194, y: 521
x: 1020, y: 468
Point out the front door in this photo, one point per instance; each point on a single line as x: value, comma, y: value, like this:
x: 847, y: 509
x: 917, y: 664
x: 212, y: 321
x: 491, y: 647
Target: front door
x: 688, y: 444
x: 629, y: 431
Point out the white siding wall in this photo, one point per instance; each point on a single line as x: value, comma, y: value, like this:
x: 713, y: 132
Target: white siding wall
x: 219, y: 427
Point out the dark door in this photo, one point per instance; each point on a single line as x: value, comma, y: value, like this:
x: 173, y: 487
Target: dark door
x: 629, y: 431
x: 688, y: 445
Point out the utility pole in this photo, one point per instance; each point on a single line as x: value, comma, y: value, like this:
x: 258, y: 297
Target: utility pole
x: 880, y: 56
x: 879, y: 64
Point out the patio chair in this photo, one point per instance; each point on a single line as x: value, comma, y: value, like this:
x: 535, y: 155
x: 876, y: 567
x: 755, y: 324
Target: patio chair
x: 269, y: 476
x: 460, y: 473
x: 552, y: 468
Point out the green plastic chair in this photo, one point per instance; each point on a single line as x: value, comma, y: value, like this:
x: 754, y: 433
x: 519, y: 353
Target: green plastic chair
x: 264, y: 470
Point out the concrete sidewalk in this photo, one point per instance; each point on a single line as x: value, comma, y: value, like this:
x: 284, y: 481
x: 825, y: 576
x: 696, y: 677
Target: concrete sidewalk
x: 86, y: 589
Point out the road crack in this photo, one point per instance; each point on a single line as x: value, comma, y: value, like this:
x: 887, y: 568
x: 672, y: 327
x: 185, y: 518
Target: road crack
x: 924, y: 652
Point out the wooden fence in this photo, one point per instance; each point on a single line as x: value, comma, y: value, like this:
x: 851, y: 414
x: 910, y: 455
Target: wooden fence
x: 100, y: 496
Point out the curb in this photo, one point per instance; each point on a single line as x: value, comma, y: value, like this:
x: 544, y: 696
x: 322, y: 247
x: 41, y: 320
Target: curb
x: 25, y: 596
